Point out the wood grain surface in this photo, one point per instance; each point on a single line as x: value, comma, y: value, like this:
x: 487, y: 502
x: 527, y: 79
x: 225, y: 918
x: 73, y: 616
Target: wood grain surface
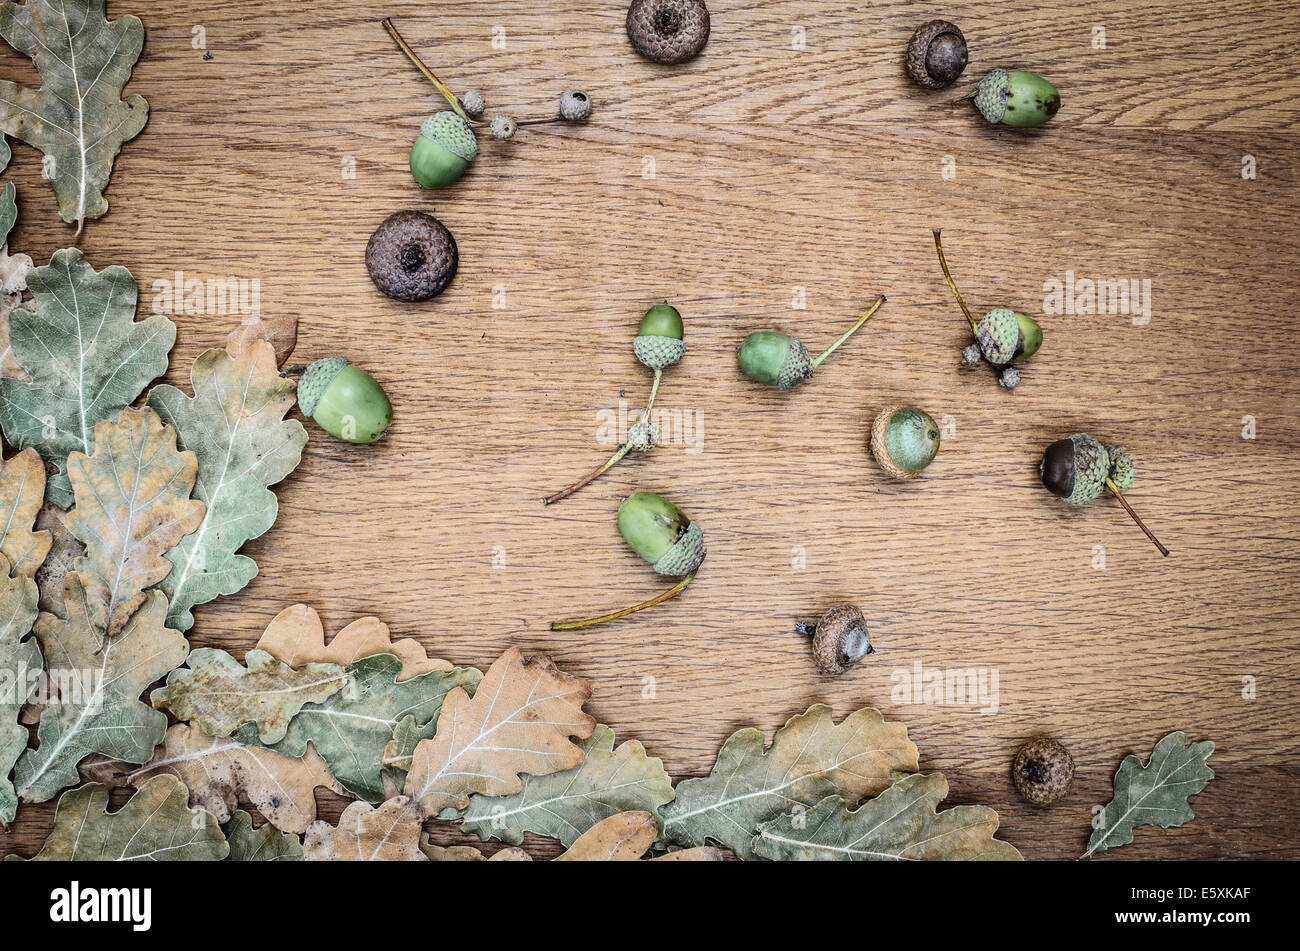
x: 725, y: 186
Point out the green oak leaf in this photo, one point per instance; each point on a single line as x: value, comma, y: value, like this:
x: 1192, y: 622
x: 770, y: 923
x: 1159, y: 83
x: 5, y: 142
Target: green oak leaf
x: 86, y: 356
x: 95, y: 686
x: 20, y: 660
x: 810, y: 758
x: 235, y: 424
x: 156, y: 825
x: 901, y: 824
x: 77, y: 117
x: 265, y: 844
x: 351, y: 729
x: 220, y: 694
x: 8, y: 209
x: 565, y: 805
x: 1155, y: 794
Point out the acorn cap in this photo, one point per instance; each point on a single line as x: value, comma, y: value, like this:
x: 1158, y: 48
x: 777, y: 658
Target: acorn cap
x: 904, y: 440
x: 796, y: 367
x: 841, y: 639
x: 685, y: 555
x: 658, y: 352
x: 1075, y: 468
x: 998, y: 335
x: 449, y: 130
x: 1122, y: 470
x: 991, y: 95
x: 936, y: 54
x: 1042, y: 770
x: 412, y: 256
x: 314, y: 381
x: 668, y: 31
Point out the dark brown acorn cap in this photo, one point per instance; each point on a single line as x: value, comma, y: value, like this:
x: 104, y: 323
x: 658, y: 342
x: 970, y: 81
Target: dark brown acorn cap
x: 668, y: 31
x: 1042, y: 770
x: 936, y: 54
x: 412, y: 256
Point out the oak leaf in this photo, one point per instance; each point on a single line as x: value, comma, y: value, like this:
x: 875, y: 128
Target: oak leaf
x: 519, y: 721
x: 96, y: 683
x: 467, y: 853
x: 810, y: 758
x: 132, y: 505
x: 565, y: 805
x: 221, y: 694
x: 280, y: 332
x: 22, y: 489
x: 626, y: 837
x: 1154, y: 794
x: 297, y: 636
x: 20, y: 660
x: 155, y: 825
x: 264, y: 844
x: 899, y: 824
x: 86, y: 358
x: 365, y: 833
x: 77, y: 117
x: 234, y: 423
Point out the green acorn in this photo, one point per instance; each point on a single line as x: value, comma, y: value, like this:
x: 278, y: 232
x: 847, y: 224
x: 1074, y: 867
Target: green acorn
x: 904, y: 440
x: 443, y: 150
x: 1002, y: 335
x: 784, y: 362
x: 661, y: 534
x: 1078, y: 468
x: 345, y: 401
x: 1016, y: 98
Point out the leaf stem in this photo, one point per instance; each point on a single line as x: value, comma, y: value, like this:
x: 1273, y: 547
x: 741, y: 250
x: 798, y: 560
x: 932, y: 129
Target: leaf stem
x: 938, y: 246
x: 1128, y: 508
x: 405, y: 47
x: 850, y: 332
x: 615, y: 615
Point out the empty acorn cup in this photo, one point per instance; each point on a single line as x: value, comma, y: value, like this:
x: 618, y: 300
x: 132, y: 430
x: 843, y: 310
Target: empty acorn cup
x: 780, y: 360
x: 904, y: 440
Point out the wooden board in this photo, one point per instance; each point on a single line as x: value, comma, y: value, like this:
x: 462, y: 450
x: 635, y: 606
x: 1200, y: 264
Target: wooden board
x: 775, y: 169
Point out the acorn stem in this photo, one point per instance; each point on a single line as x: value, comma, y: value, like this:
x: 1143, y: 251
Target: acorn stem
x: 419, y: 64
x: 1128, y: 508
x: 671, y: 593
x: 806, y: 628
x: 850, y: 332
x: 564, y: 493
x: 943, y: 263
x: 654, y: 391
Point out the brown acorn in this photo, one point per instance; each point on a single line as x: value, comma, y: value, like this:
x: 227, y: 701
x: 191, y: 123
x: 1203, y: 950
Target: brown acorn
x: 1042, y: 770
x: 840, y: 638
x: 936, y: 54
x: 668, y: 31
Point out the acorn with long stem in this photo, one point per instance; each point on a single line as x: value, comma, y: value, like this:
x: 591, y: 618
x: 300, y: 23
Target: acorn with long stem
x: 1000, y: 337
x: 780, y: 360
x: 658, y: 344
x: 660, y: 533
x: 1079, y: 468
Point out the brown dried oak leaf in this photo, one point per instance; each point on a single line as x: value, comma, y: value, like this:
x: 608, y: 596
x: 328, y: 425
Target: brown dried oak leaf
x: 296, y: 637
x: 625, y: 837
x: 22, y: 489
x: 389, y: 832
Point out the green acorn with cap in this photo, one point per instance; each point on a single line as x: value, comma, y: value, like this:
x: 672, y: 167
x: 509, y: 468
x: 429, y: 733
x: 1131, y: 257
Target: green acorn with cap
x: 780, y: 360
x: 1079, y: 468
x: 658, y: 344
x: 904, y: 440
x: 443, y: 149
x: 1016, y: 98
x: 1001, y: 336
x: 346, y: 401
x: 661, y: 534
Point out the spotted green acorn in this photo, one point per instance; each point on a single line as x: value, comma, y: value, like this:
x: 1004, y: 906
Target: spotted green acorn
x: 1122, y: 470
x: 1016, y: 98
x: 345, y: 401
x: 780, y: 360
x: 904, y: 440
x: 658, y: 342
x: 443, y: 150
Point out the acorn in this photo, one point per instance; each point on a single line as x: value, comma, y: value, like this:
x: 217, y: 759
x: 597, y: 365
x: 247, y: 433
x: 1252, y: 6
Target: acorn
x: 345, y: 400
x: 661, y: 534
x: 443, y: 150
x: 1079, y: 468
x: 936, y: 54
x: 658, y: 344
x: 668, y: 31
x: 1002, y: 334
x: 1016, y: 98
x: 1042, y: 770
x: 839, y: 639
x: 904, y: 440
x: 779, y: 360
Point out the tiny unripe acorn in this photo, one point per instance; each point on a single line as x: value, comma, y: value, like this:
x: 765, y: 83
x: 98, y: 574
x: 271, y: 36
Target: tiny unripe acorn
x: 575, y: 105
x: 473, y: 103
x: 659, y: 532
x: 1016, y: 98
x: 503, y: 127
x: 642, y: 436
x: 1042, y: 770
x: 779, y: 360
x: 443, y: 150
x: 346, y: 401
x: 904, y: 440
x: 936, y: 54
x: 840, y: 638
x: 658, y: 341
